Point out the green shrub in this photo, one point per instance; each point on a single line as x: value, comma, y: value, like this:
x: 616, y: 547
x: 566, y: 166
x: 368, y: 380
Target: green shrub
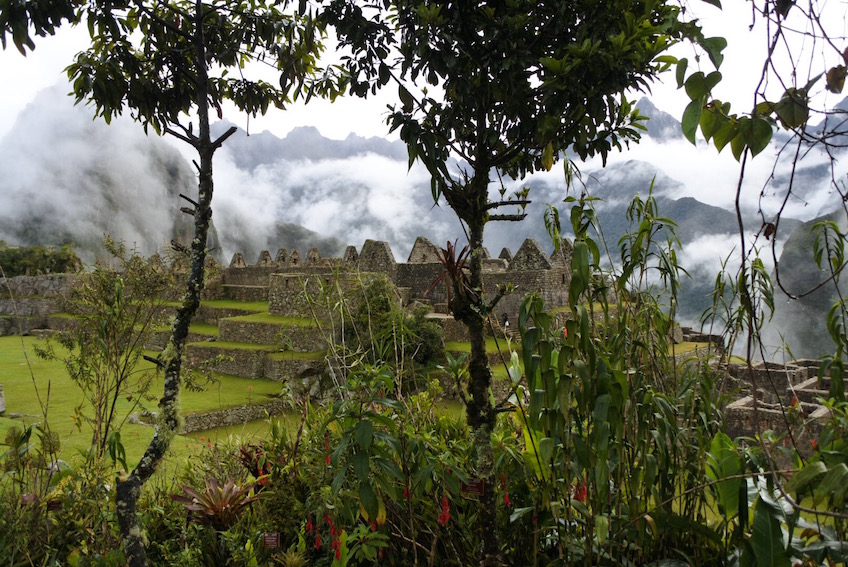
x: 38, y: 259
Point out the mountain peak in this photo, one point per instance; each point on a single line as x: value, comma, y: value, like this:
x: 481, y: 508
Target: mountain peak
x: 662, y: 126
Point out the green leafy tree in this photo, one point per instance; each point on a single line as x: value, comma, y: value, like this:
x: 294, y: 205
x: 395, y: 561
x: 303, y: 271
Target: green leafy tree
x: 116, y: 312
x: 511, y: 85
x: 164, y: 62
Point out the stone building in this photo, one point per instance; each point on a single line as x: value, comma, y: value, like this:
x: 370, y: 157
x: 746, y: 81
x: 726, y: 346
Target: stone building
x: 284, y: 281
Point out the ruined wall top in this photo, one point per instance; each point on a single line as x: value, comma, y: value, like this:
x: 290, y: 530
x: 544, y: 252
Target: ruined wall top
x: 530, y: 257
x: 423, y: 252
x: 377, y: 256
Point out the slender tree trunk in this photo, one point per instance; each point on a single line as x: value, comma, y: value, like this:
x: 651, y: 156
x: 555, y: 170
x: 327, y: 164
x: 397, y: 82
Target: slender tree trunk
x: 469, y: 306
x: 167, y: 422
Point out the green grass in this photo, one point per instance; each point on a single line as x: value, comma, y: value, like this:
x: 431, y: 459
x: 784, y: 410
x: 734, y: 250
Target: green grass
x: 275, y: 320
x: 62, y: 395
x: 207, y: 329
x: 465, y: 346
x: 64, y: 315
x: 291, y: 355
x: 236, y: 346
x: 257, y: 306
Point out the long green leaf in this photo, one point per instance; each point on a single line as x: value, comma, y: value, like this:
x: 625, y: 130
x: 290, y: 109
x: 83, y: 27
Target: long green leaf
x: 767, y: 538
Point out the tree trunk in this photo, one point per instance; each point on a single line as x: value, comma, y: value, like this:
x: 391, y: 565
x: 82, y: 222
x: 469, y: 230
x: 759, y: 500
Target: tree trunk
x: 469, y: 307
x: 167, y: 421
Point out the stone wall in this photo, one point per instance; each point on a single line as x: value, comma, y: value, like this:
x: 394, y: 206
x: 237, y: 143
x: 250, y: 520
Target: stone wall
x: 27, y: 301
x: 302, y: 338
x: 773, y: 379
x: 48, y: 285
x: 244, y: 292
x: 419, y: 277
x: 231, y: 416
x: 292, y: 369
x: 244, y: 362
x: 529, y: 271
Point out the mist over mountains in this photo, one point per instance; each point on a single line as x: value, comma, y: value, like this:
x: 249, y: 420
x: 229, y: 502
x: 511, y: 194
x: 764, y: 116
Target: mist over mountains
x: 68, y: 178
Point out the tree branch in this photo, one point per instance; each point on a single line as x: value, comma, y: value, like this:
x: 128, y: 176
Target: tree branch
x: 217, y: 143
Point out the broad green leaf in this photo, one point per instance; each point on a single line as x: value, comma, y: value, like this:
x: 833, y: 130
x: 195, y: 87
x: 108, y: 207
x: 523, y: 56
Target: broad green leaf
x: 725, y: 134
x: 737, y: 145
x: 602, y: 528
x: 808, y: 475
x: 723, y: 461
x: 546, y: 449
x: 368, y: 499
x: 520, y: 513
x: 767, y: 537
x: 691, y: 119
x: 698, y: 85
x: 681, y: 71
x: 548, y: 157
x: 756, y: 134
x: 579, y: 271
x: 363, y: 434
x: 714, y: 47
x: 833, y: 486
x: 711, y: 121
x: 361, y: 466
x: 793, y: 109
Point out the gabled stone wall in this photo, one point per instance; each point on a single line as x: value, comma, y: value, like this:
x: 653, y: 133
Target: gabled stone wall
x: 529, y: 271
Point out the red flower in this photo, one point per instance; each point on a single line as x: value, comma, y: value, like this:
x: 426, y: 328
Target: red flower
x: 814, y: 444
x: 444, y: 515
x: 580, y: 492
x: 317, y: 541
x: 373, y: 526
x: 309, y: 526
x: 507, y: 501
x: 406, y: 492
x: 327, y: 460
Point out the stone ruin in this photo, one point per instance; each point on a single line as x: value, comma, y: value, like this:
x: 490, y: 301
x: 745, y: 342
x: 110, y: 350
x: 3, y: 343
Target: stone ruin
x: 281, y: 281
x: 788, y: 399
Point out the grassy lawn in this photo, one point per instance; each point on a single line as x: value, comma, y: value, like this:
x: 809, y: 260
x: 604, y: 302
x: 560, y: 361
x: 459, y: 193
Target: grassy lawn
x: 20, y: 380
x: 275, y: 320
x: 236, y: 346
x: 206, y: 329
x: 291, y: 355
x: 257, y: 306
x: 465, y: 346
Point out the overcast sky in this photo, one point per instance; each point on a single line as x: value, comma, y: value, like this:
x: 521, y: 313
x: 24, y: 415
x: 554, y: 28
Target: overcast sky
x: 21, y: 78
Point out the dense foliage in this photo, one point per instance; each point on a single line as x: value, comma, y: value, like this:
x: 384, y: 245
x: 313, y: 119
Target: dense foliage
x: 37, y: 259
